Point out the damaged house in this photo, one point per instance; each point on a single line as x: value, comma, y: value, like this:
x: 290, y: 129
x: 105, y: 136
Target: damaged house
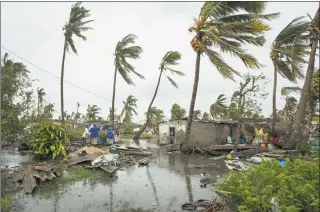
x: 208, y: 133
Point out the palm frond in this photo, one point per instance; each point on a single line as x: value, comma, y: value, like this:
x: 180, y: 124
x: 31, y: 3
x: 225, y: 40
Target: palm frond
x: 180, y: 73
x: 123, y: 72
x: 295, y: 28
x: 170, y: 58
x: 172, y: 82
x: 221, y: 9
x: 129, y: 39
x: 224, y: 69
x: 132, y: 52
x: 248, y: 17
x: 288, y: 90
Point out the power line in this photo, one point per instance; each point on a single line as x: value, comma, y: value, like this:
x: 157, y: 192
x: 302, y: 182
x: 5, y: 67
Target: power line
x: 55, y: 76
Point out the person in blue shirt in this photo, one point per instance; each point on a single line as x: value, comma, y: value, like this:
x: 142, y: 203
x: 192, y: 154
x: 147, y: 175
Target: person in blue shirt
x: 110, y: 136
x: 94, y: 133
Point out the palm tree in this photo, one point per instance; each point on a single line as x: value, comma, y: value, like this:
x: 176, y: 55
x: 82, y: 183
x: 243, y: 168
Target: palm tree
x: 287, y: 53
x: 171, y: 58
x: 314, y: 38
x: 41, y: 94
x: 313, y: 98
x: 28, y: 100
x: 74, y: 27
x: 177, y: 112
x: 48, y: 110
x: 219, y: 107
x: 156, y: 117
x: 128, y: 111
x: 92, y: 112
x: 122, y: 53
x: 220, y: 25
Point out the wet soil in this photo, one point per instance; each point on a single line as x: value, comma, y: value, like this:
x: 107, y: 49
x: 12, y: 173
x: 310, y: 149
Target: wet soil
x: 168, y: 182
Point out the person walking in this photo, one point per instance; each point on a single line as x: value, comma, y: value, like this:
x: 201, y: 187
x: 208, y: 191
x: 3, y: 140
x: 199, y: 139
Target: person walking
x: 85, y: 134
x: 94, y: 133
x: 110, y: 136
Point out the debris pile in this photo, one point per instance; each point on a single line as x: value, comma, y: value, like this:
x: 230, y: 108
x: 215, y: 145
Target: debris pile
x: 29, y: 175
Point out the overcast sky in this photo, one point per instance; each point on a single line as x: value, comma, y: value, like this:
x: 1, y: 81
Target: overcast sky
x: 33, y: 30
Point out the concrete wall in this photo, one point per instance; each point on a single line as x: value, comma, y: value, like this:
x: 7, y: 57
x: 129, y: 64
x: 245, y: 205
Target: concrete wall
x: 206, y: 133
x: 180, y: 126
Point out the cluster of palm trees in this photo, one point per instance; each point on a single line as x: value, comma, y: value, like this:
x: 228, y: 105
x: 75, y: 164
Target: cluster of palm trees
x: 224, y: 26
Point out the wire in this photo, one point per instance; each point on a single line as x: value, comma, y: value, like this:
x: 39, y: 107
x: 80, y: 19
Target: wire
x: 55, y: 76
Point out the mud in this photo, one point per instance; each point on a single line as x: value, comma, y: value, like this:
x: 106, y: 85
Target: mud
x: 164, y: 185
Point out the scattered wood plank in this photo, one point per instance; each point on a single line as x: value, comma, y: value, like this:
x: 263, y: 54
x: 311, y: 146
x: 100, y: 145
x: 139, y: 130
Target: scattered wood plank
x: 141, y: 153
x: 79, y: 159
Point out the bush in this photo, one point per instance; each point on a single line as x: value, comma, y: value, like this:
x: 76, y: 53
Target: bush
x: 73, y: 134
x: 295, y: 187
x: 49, y: 141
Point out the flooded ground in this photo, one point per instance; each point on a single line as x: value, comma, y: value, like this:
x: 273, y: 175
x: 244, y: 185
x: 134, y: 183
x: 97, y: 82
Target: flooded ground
x: 168, y: 182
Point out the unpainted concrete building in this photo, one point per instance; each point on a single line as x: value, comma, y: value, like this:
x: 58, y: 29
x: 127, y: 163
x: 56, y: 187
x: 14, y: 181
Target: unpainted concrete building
x: 207, y: 133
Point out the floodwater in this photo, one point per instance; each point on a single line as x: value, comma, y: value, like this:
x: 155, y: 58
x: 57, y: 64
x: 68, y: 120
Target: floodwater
x: 168, y: 182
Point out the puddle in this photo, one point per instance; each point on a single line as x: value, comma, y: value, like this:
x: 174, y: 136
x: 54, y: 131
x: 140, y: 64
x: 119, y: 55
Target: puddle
x: 165, y: 185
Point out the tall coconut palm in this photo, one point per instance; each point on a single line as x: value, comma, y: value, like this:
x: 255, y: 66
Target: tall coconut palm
x: 41, y: 94
x: 226, y: 26
x: 75, y: 26
x: 122, y: 53
x: 314, y: 39
x: 170, y: 59
x: 287, y: 54
x: 92, y: 112
x: 129, y: 109
x: 219, y: 107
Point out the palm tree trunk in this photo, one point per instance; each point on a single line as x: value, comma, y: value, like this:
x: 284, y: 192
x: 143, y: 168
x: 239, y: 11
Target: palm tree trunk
x: 274, y: 103
x: 193, y: 98
x: 300, y: 113
x: 312, y: 109
x: 113, y: 95
x: 138, y: 134
x: 62, y: 77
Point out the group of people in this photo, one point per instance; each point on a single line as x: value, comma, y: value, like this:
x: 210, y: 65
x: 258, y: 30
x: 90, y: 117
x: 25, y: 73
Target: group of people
x: 92, y: 133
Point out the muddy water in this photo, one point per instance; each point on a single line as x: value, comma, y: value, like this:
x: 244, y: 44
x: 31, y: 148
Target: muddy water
x: 169, y: 182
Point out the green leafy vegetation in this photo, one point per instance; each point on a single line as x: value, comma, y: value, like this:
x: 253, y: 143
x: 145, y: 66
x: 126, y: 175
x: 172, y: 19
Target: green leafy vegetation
x: 295, y: 186
x: 5, y: 204
x: 49, y: 141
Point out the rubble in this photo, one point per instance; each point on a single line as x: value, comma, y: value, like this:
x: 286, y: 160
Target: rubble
x: 144, y: 161
x: 42, y: 171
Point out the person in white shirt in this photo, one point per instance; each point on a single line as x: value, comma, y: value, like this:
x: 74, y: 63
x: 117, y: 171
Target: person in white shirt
x: 85, y: 135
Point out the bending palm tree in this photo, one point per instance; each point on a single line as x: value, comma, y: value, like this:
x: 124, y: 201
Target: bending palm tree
x: 74, y: 26
x: 219, y: 106
x: 122, y: 53
x: 314, y: 38
x: 171, y: 58
x: 128, y: 110
x: 287, y: 53
x: 218, y: 26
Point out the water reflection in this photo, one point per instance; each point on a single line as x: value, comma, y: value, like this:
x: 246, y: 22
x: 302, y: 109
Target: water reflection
x: 168, y: 182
